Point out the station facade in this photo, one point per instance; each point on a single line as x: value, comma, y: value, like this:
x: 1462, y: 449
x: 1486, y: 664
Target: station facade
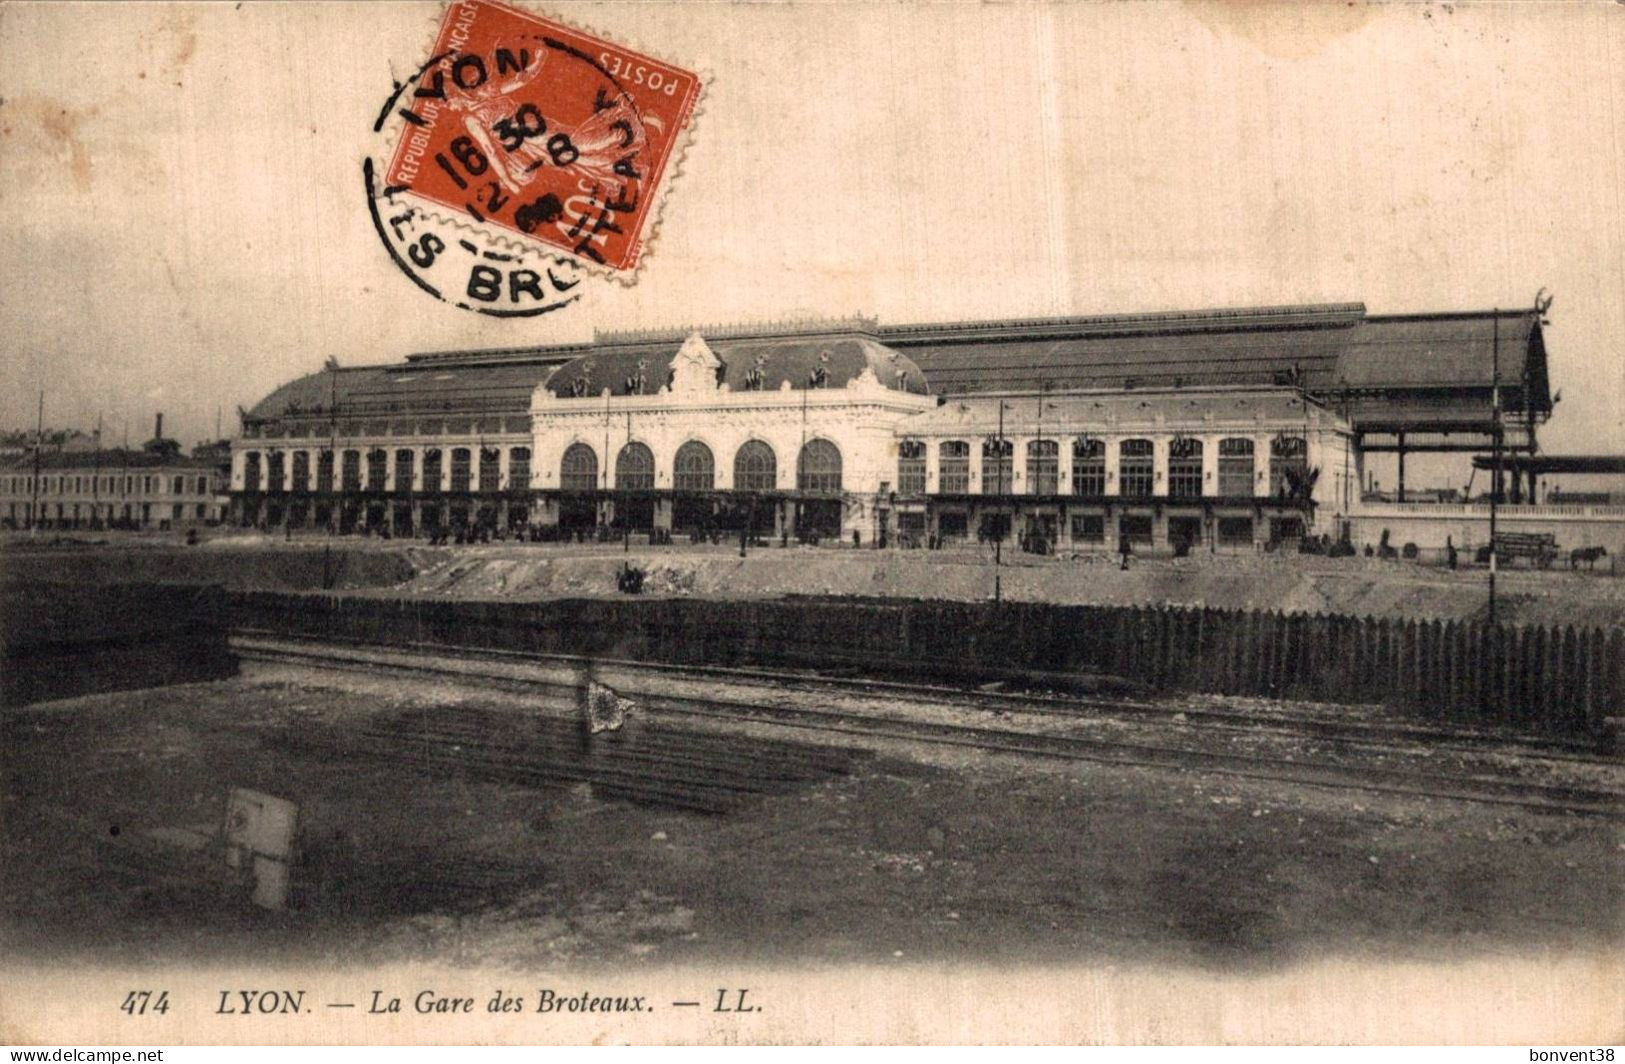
x: 1225, y: 429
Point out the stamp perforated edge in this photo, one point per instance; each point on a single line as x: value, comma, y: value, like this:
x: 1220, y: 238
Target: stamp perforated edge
x: 501, y: 237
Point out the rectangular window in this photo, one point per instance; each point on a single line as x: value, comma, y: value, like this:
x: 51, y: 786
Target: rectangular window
x: 350, y: 471
x: 953, y: 473
x: 1135, y: 472
x: 1185, y: 468
x: 377, y: 468
x: 461, y: 469
x: 1289, y: 466
x: 1186, y: 530
x: 1136, y: 528
x: 1088, y: 528
x: 1235, y: 531
x: 519, y: 469
x: 1043, y: 467
x: 491, y: 470
x: 911, y: 467
x: 998, y: 467
x: 1286, y: 528
x: 1236, y: 470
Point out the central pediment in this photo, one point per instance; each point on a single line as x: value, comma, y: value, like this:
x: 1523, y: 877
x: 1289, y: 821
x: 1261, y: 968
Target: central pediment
x: 695, y: 367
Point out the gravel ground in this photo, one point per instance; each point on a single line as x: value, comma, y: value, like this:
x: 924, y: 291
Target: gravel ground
x: 922, y: 854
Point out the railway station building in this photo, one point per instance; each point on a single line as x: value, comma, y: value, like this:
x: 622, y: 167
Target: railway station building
x: 1226, y: 429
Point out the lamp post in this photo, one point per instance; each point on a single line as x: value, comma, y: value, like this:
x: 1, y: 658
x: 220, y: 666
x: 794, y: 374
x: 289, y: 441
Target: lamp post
x: 998, y: 541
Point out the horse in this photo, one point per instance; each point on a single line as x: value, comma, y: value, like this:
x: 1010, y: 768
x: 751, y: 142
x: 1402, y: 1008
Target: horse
x: 1589, y: 555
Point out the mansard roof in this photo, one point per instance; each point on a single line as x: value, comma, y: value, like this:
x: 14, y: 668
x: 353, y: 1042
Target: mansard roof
x: 779, y: 360
x: 1381, y: 365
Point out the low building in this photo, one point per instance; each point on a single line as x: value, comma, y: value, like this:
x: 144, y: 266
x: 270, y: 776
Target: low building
x: 154, y: 487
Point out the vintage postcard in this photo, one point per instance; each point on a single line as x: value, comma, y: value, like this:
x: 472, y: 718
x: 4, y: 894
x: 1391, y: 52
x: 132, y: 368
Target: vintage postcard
x: 778, y: 523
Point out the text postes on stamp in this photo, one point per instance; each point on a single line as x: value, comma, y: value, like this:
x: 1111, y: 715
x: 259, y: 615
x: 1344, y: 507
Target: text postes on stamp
x: 558, y: 137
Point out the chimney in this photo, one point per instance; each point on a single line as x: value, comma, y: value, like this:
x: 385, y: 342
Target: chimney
x: 158, y: 429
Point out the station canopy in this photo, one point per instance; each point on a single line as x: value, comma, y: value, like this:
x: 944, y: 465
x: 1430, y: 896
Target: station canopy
x: 1415, y: 374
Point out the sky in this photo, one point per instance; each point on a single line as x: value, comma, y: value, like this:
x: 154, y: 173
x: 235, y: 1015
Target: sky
x: 183, y: 224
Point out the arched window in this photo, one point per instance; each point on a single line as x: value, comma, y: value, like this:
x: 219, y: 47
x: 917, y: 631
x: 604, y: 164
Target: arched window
x: 997, y: 466
x: 301, y: 472
x: 694, y: 469
x: 251, y: 473
x: 911, y: 467
x: 432, y: 471
x: 350, y: 471
x: 275, y: 467
x: 635, y: 468
x: 953, y: 472
x: 1088, y: 466
x: 818, y: 469
x: 1043, y: 467
x: 1236, y: 470
x: 1135, y: 472
x: 1185, y: 468
x: 462, y: 471
x: 377, y: 468
x: 1289, y: 465
x: 519, y: 469
x: 324, y: 471
x: 490, y: 469
x: 578, y: 470
x: 179, y: 487
x: 755, y: 467
x: 405, y: 458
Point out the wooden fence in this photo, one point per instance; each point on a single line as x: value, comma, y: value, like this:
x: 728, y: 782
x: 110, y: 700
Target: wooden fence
x: 1556, y: 680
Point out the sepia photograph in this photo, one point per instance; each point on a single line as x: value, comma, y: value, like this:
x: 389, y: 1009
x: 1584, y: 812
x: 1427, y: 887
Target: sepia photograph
x: 801, y: 523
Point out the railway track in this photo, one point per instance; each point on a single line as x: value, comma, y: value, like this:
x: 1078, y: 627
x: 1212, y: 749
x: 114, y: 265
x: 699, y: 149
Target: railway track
x: 653, y: 764
x: 1361, y: 753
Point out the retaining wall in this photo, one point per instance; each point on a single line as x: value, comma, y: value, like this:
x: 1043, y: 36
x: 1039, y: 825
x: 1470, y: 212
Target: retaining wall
x: 59, y: 640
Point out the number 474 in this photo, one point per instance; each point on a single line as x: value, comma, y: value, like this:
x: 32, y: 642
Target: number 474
x: 141, y: 1002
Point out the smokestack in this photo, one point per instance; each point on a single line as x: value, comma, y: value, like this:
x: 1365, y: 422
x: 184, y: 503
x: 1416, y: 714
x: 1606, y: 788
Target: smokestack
x: 158, y: 428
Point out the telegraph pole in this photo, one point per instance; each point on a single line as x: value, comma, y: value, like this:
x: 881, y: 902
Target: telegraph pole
x: 626, y: 523
x: 96, y: 480
x: 1495, y: 436
x: 334, y: 483
x: 39, y: 446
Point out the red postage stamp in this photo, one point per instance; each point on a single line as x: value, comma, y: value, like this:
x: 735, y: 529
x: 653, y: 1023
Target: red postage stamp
x: 521, y: 123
